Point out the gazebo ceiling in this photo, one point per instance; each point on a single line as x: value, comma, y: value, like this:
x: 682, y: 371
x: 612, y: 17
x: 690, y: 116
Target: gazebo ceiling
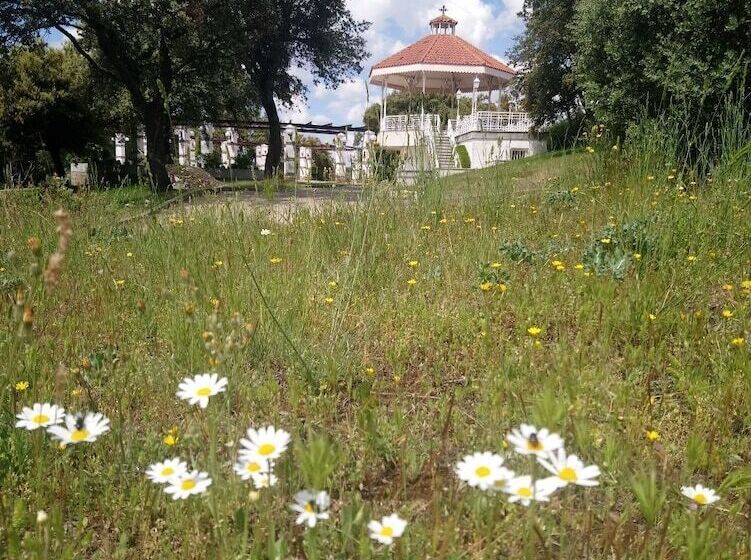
x: 447, y: 62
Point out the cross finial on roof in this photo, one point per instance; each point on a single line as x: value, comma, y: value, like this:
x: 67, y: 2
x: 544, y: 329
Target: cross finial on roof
x: 443, y: 10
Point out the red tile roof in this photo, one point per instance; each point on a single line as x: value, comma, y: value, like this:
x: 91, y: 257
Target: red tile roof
x: 443, y: 49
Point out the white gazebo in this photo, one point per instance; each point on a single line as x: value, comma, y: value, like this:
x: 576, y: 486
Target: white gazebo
x: 443, y: 62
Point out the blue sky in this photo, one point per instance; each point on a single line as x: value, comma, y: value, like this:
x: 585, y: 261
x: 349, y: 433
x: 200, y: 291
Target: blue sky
x: 489, y: 24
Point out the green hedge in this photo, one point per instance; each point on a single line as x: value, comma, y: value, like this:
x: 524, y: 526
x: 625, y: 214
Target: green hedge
x: 463, y: 154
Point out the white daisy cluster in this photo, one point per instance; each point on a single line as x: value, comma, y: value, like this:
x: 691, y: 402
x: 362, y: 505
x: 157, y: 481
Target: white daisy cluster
x: 179, y: 482
x: 486, y: 470
x: 68, y: 428
x: 258, y: 453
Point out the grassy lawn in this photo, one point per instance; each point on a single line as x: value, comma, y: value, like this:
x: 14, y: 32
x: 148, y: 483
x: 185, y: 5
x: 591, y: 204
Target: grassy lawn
x: 601, y: 296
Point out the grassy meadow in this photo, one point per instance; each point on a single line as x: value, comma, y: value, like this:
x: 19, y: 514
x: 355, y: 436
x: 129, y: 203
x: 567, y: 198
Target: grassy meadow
x: 604, y: 295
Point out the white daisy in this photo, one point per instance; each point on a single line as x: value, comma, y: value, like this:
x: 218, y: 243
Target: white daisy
x: 187, y: 484
x: 504, y: 475
x: 161, y: 473
x: 521, y: 489
x: 267, y: 443
x: 480, y: 470
x: 569, y: 469
x: 387, y: 529
x: 312, y: 507
x: 265, y: 232
x: 700, y: 495
x: 41, y: 415
x: 250, y: 465
x: 264, y: 480
x: 198, y: 389
x: 528, y: 440
x: 80, y: 428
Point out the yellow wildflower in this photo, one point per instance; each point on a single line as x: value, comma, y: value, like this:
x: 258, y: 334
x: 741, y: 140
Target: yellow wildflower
x: 534, y: 331
x: 21, y: 386
x: 275, y: 260
x: 727, y: 313
x: 738, y: 342
x: 412, y: 281
x: 486, y: 286
x: 652, y: 435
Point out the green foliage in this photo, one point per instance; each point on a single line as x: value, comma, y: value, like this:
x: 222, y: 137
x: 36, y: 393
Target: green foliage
x: 545, y: 52
x: 463, y: 155
x: 611, y: 250
x: 213, y: 160
x: 650, y: 496
x: 518, y: 252
x: 641, y: 57
x: 49, y: 103
x: 567, y: 133
x: 386, y: 163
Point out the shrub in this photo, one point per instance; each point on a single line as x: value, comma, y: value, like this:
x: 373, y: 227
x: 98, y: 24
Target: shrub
x: 463, y: 154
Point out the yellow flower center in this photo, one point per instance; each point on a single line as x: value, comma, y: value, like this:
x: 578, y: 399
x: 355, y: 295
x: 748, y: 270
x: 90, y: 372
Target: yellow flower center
x: 700, y: 499
x: 568, y: 474
x: 307, y: 507
x: 204, y: 392
x: 188, y: 484
x: 252, y: 467
x: 524, y: 492
x: 387, y: 532
x: 167, y: 471
x: 482, y: 472
x: 79, y: 435
x: 534, y: 446
x: 266, y: 449
x: 40, y: 419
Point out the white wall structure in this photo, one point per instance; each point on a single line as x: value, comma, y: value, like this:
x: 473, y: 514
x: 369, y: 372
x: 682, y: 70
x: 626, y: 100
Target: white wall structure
x: 289, y: 136
x: 486, y: 148
x: 369, y: 140
x: 340, y: 164
x: 305, y: 167
x: 142, y: 147
x: 230, y: 147
x: 207, y: 141
x: 262, y: 151
x: 182, y: 136
x: 120, y: 141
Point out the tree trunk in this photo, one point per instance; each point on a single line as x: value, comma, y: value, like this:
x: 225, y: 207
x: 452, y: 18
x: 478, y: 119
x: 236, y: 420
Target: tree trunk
x: 57, y: 160
x: 274, y: 157
x: 158, y: 132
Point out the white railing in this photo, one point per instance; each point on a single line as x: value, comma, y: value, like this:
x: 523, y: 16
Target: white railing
x: 403, y: 123
x: 493, y: 121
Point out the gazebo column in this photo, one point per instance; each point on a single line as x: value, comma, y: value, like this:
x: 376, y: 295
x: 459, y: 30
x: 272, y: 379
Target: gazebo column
x: 384, y: 102
x: 422, y: 101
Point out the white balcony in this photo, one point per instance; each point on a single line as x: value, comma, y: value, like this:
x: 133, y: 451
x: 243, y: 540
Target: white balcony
x: 409, y: 123
x: 492, y: 121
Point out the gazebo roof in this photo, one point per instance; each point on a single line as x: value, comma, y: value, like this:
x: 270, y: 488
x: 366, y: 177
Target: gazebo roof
x: 440, y: 56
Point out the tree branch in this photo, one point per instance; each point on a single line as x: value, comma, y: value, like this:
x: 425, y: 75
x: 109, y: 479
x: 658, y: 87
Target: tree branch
x: 83, y: 53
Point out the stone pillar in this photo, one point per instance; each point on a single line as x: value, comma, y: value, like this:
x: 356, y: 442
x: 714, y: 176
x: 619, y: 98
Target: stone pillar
x: 120, y: 140
x: 367, y: 156
x: 192, y: 145
x: 305, y: 163
x: 229, y: 147
x: 142, y: 147
x: 262, y: 151
x: 340, y: 167
x: 356, y: 161
x: 182, y: 145
x: 289, y: 136
x: 207, y: 142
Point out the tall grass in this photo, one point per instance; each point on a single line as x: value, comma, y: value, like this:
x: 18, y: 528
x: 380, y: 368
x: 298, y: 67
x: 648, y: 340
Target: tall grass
x: 385, y: 384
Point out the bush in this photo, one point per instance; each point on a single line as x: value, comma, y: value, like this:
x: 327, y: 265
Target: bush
x: 567, y: 134
x: 463, y: 154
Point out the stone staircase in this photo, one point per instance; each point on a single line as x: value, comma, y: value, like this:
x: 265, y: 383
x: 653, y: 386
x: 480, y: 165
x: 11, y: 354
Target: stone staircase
x: 445, y: 152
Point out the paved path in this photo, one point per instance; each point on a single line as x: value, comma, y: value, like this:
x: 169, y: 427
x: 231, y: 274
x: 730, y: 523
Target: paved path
x: 282, y: 206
